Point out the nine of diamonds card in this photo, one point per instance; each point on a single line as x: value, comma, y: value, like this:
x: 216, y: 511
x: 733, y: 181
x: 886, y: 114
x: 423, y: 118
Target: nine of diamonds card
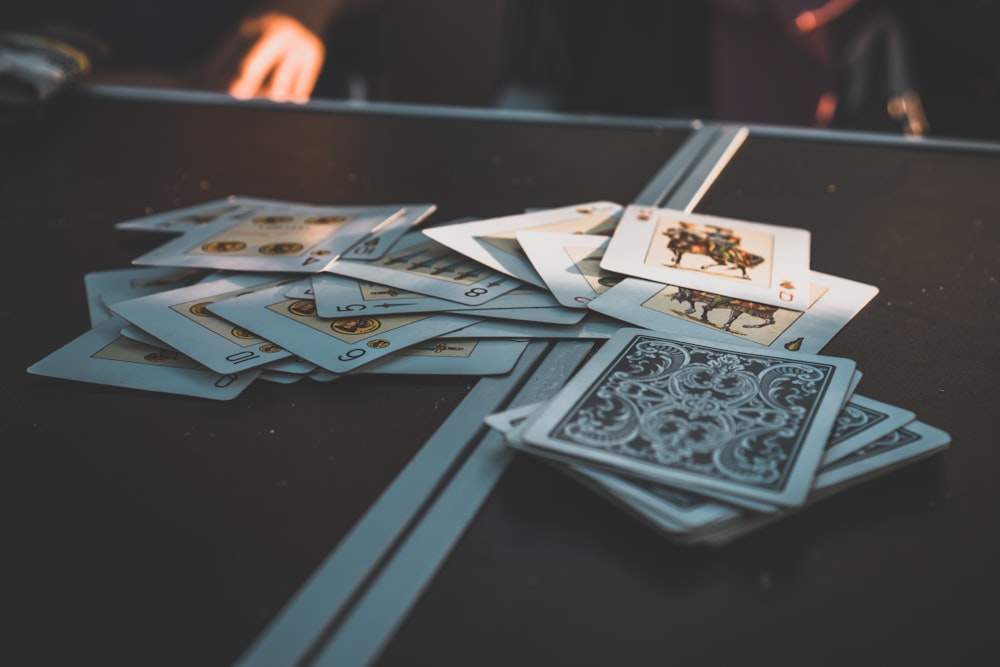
x: 338, y: 344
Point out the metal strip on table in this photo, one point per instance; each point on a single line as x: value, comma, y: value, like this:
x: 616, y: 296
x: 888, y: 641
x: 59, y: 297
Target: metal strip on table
x: 351, y: 605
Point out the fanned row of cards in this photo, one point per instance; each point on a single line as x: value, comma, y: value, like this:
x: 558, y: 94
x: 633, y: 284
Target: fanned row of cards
x: 249, y: 288
x: 706, y: 441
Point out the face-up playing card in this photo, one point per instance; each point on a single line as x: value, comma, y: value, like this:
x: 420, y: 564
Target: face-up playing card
x: 418, y: 264
x: 592, y: 327
x: 730, y: 421
x: 862, y: 421
x: 451, y: 357
x: 290, y: 239
x: 551, y: 316
x: 103, y: 356
x: 182, y: 220
x: 105, y: 287
x: 339, y: 295
x: 376, y: 243
x: 493, y: 242
x: 335, y: 344
x: 570, y: 265
x: 181, y: 319
x: 689, y: 312
x: 740, y: 259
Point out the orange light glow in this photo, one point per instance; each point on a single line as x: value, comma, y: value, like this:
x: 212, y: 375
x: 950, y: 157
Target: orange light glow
x: 283, y: 62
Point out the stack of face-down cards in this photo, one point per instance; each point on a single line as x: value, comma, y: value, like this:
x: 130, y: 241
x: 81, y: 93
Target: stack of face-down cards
x: 709, y: 441
x: 259, y: 289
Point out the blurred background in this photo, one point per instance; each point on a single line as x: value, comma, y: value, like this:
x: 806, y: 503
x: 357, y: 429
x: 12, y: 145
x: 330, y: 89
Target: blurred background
x: 921, y: 67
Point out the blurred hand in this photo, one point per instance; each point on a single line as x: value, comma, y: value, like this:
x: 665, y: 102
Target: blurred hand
x: 271, y: 55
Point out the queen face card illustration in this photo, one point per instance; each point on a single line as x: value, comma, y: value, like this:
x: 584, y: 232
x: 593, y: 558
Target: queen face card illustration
x: 181, y: 319
x: 741, y: 259
x: 570, y: 264
x: 418, y: 264
x: 493, y: 242
x: 729, y: 421
x: 833, y: 303
x: 340, y: 344
x: 103, y: 356
x: 290, y: 239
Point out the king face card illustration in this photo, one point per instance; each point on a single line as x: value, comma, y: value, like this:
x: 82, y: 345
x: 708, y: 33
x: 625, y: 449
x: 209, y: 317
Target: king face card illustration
x: 741, y: 259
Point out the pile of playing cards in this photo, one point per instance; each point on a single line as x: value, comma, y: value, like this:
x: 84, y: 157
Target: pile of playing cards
x: 708, y: 441
x: 708, y: 412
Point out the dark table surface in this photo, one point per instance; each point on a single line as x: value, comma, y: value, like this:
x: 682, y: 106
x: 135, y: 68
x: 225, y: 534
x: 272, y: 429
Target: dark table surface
x: 150, y: 529
x: 899, y: 570
x: 144, y: 528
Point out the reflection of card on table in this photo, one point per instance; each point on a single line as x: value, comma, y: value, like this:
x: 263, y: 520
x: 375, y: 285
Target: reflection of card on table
x: 741, y: 259
x: 493, y: 242
x: 688, y: 312
x: 729, y: 421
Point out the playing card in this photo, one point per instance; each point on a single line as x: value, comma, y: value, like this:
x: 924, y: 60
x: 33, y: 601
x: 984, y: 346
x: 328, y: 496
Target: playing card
x: 103, y: 356
x: 688, y: 312
x: 493, y: 242
x: 339, y: 295
x: 376, y: 243
x: 554, y: 316
x: 451, y: 357
x: 904, y: 445
x: 569, y: 264
x: 729, y: 421
x: 104, y: 287
x: 741, y: 259
x: 335, y: 344
x: 418, y: 264
x: 181, y: 319
x: 862, y: 421
x: 295, y: 238
x: 592, y: 326
x: 682, y: 511
x: 182, y: 220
